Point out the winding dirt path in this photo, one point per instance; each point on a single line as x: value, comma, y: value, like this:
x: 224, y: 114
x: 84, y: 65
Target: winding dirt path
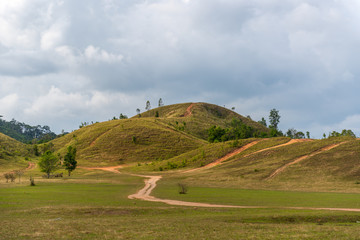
x: 188, y: 112
x: 150, y: 184
x: 297, y: 160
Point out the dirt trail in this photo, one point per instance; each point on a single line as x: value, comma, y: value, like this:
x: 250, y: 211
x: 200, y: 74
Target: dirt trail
x: 94, y: 141
x: 226, y: 157
x: 150, y: 184
x: 188, y: 112
x: 113, y: 169
x: 297, y: 160
x: 292, y: 141
x: 31, y: 166
x: 243, y: 148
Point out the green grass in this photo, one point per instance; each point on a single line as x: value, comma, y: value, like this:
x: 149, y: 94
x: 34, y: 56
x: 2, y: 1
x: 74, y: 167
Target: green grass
x: 252, y: 197
x: 87, y: 209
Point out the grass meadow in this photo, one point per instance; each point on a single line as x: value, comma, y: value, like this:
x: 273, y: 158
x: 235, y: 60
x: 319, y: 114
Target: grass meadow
x: 94, y: 205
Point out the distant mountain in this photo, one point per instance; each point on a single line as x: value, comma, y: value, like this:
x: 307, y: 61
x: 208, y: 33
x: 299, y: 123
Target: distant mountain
x: 26, y: 133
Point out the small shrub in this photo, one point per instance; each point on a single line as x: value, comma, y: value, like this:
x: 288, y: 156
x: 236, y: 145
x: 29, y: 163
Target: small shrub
x: 172, y: 165
x: 161, y: 169
x: 256, y: 170
x: 134, y: 139
x: 10, y: 176
x: 182, y: 188
x: 32, y: 181
x: 7, y: 177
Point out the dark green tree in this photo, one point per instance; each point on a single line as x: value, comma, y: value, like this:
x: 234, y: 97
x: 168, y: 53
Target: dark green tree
x: 308, y: 134
x: 274, y: 118
x: 49, y: 163
x: 156, y: 114
x: 263, y: 122
x: 148, y: 106
x: 138, y: 112
x: 70, y: 159
x: 123, y: 116
x: 161, y: 103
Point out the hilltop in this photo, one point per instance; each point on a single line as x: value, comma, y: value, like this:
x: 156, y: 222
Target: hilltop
x: 197, y: 118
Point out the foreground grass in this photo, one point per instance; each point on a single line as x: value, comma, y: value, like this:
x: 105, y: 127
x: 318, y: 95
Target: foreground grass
x: 251, y: 197
x: 94, y: 205
x: 176, y: 223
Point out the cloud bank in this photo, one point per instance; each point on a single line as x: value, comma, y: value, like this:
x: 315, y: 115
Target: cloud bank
x: 63, y: 62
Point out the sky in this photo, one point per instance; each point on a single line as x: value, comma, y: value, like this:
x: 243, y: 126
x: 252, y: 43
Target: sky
x: 63, y: 62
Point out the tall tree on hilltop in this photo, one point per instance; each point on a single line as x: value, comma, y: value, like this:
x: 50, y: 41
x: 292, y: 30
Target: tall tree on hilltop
x: 274, y: 118
x: 161, y: 102
x: 148, y: 106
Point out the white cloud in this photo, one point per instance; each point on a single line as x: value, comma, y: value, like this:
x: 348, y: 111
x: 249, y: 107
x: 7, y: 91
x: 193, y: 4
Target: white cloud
x: 98, y: 55
x: 8, y: 105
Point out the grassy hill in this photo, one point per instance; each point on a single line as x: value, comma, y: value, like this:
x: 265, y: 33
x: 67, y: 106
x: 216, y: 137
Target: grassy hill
x: 127, y: 141
x: 197, y: 118
x: 12, y: 152
x: 178, y: 129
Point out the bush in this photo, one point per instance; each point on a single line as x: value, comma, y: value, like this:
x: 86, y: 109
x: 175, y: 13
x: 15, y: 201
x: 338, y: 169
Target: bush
x: 182, y: 188
x: 32, y: 181
x: 10, y: 176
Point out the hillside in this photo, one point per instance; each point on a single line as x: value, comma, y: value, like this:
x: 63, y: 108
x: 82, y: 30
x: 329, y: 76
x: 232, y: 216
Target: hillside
x: 197, y: 118
x: 12, y: 152
x: 126, y: 141
x: 314, y: 165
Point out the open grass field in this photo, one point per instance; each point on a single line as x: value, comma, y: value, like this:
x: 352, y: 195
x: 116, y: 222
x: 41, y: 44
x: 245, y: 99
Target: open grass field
x: 94, y: 205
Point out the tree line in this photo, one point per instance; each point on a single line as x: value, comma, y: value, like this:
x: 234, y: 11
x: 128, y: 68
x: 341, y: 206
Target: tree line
x: 26, y: 133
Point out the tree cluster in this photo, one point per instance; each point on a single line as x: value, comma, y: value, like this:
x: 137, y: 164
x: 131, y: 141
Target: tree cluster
x: 237, y: 130
x: 344, y: 132
x: 49, y: 162
x: 26, y: 133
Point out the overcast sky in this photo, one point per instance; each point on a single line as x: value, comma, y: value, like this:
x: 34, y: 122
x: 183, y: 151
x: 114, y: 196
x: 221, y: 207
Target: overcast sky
x: 63, y: 62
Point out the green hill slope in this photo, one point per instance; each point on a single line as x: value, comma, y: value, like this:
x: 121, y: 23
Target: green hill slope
x: 319, y: 165
x: 197, y: 118
x: 12, y: 152
x: 126, y: 141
